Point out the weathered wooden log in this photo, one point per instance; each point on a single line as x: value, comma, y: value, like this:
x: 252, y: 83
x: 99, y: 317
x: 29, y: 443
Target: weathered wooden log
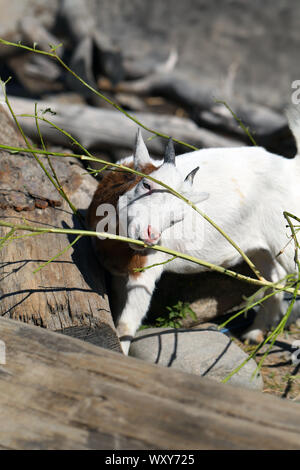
x: 14, y: 11
x: 144, y: 66
x: 34, y: 32
x: 79, y: 18
x: 260, y: 120
x: 61, y: 393
x: 37, y: 74
x: 108, y: 129
x: 68, y: 294
x: 92, y: 51
x: 268, y: 127
x: 172, y: 86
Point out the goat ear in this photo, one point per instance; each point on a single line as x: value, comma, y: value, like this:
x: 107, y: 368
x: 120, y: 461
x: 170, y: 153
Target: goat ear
x: 190, y: 177
x: 141, y: 156
x: 189, y: 192
x: 196, y: 198
x: 169, y: 156
x: 193, y: 196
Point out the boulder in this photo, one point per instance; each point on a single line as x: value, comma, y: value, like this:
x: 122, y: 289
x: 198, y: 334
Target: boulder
x: 201, y: 351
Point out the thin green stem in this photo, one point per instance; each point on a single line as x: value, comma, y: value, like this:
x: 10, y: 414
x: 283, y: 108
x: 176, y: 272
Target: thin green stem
x: 248, y: 307
x: 44, y: 148
x: 171, y: 190
x: 139, y: 270
x: 238, y: 120
x: 35, y: 152
x: 58, y: 254
x: 280, y: 327
x: 7, y: 237
x: 73, y: 140
x: 207, y: 265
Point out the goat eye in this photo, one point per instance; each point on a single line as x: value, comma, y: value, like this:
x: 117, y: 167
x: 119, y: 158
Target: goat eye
x: 146, y: 186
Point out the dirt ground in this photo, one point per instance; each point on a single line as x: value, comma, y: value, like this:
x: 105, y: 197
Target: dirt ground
x: 281, y: 374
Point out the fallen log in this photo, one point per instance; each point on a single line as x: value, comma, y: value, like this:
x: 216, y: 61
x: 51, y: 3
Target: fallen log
x: 34, y: 32
x: 37, y: 74
x: 69, y: 294
x: 61, y: 393
x: 143, y: 67
x: 14, y: 11
x: 102, y: 129
x: 267, y: 127
x: 173, y: 86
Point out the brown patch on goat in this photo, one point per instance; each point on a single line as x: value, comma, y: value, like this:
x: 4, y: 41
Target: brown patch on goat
x: 116, y: 256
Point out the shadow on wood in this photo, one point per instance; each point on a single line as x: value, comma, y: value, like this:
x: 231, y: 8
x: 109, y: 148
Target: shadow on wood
x: 61, y: 393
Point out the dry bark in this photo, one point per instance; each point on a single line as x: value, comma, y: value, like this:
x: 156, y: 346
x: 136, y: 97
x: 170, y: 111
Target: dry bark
x: 68, y: 294
x: 60, y: 393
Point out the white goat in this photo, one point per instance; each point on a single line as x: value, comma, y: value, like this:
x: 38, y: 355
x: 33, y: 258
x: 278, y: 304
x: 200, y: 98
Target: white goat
x: 244, y: 190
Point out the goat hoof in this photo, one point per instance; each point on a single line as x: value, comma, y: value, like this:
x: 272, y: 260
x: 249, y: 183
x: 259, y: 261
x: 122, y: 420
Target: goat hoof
x: 125, y: 345
x: 125, y: 337
x: 254, y: 336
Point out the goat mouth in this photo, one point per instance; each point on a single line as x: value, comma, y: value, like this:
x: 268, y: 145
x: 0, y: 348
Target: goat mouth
x: 140, y: 248
x: 135, y: 247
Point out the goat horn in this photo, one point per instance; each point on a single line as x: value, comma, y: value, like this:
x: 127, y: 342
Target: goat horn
x: 190, y: 177
x: 170, y: 152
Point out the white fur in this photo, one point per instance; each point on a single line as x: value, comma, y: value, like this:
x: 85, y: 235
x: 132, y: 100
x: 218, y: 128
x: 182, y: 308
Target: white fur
x: 245, y: 191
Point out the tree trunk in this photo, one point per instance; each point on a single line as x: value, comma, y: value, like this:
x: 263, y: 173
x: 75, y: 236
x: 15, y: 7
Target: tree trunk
x: 69, y: 294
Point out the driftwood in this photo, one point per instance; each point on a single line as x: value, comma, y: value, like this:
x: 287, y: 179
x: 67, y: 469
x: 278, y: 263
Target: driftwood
x: 34, y: 32
x: 174, y: 87
x: 37, y: 74
x: 94, y: 56
x: 68, y: 294
x: 78, y: 17
x: 145, y: 66
x: 13, y: 12
x: 61, y: 393
x: 108, y: 129
x: 268, y: 127
x: 92, y: 52
x: 261, y: 121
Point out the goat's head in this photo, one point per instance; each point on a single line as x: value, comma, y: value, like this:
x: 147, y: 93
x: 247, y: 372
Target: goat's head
x: 149, y: 209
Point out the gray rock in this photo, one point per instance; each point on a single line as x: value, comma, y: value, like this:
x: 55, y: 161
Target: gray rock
x: 204, y: 352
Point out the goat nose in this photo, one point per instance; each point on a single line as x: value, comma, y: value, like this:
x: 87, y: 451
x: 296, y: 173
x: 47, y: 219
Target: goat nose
x: 152, y: 234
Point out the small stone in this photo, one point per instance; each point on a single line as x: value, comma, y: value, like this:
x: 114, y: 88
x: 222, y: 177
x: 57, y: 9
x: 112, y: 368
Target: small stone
x: 199, y: 351
x: 41, y: 203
